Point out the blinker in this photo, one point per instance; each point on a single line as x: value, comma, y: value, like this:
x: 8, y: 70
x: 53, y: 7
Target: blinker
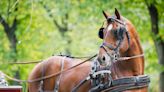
x: 101, y: 33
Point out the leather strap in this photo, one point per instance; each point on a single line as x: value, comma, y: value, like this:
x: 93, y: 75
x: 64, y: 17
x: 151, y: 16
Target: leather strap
x: 57, y: 84
x: 95, y: 77
x: 116, y: 85
x: 41, y: 89
x: 79, y: 85
x: 93, y: 69
x: 127, y: 83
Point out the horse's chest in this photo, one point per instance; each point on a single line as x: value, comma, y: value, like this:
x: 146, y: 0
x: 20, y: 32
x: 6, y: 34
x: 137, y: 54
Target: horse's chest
x: 118, y: 72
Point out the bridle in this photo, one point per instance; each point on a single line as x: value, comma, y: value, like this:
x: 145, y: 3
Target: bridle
x: 114, y: 85
x: 120, y: 32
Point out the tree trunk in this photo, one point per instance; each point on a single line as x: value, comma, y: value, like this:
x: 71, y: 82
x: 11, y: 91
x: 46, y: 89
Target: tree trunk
x: 10, y: 32
x: 13, y: 40
x: 11, y: 35
x: 159, y: 43
x: 161, y: 82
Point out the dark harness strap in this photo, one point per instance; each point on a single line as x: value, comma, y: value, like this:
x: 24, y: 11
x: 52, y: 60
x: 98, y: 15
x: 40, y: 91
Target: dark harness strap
x: 117, y: 85
x: 128, y: 83
x: 79, y: 85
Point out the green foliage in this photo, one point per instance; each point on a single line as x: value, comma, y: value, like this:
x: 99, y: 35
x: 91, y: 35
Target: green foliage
x: 39, y: 38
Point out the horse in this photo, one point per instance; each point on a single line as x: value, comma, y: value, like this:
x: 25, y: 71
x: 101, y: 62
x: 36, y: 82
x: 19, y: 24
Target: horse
x: 119, y: 35
x: 65, y: 74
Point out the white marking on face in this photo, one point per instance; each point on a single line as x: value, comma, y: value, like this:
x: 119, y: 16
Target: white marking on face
x: 110, y: 27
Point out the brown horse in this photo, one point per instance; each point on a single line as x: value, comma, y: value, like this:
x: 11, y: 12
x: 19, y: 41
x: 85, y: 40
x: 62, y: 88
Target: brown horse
x: 119, y: 35
x: 66, y: 81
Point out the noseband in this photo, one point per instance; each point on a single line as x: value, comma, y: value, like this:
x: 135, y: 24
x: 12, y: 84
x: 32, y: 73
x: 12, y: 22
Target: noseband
x: 114, y: 55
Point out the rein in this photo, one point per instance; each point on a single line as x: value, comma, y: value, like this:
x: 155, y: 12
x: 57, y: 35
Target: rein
x: 33, y: 62
x: 131, y: 57
x: 48, y: 76
x: 25, y: 62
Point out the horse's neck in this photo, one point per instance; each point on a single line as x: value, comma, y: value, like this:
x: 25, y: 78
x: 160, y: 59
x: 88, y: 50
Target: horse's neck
x: 134, y: 66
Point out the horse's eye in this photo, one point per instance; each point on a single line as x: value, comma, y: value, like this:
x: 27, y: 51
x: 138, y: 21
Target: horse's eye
x: 121, y: 33
x: 115, y: 32
x: 101, y: 33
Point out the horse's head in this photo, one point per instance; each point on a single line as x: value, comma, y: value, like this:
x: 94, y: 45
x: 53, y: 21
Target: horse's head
x: 115, y: 38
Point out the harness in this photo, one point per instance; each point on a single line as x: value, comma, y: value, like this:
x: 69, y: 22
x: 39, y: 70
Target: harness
x: 133, y: 82
x: 96, y: 77
x: 100, y: 78
x: 56, y: 89
x: 101, y: 81
x: 57, y: 83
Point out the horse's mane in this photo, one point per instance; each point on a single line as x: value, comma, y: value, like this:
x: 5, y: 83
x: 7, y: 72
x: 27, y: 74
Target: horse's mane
x: 133, y: 33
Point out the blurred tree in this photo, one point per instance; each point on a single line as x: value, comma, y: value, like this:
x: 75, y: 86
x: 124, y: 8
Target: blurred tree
x: 159, y: 42
x: 10, y: 28
x: 45, y: 26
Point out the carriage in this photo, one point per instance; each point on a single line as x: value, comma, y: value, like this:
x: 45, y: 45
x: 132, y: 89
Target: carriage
x: 4, y: 85
x: 10, y: 89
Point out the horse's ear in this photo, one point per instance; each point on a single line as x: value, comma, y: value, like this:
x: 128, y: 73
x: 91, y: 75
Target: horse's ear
x: 105, y: 14
x: 117, y: 14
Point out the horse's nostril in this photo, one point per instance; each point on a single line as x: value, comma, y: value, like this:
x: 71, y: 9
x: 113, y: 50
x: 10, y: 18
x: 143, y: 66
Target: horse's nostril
x: 103, y: 58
